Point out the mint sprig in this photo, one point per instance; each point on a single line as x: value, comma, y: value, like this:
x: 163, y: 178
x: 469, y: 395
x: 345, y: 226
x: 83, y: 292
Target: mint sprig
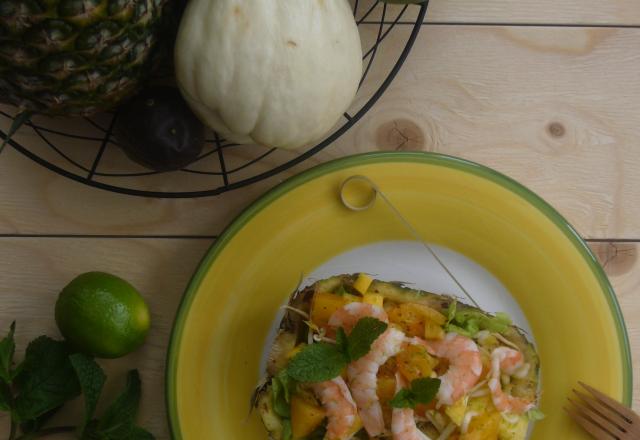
x: 323, y: 361
x: 317, y: 363
x: 51, y: 375
x: 364, y: 334
x: 422, y: 391
x: 118, y: 420
x: 92, y: 379
x: 7, y: 350
x: 46, y: 381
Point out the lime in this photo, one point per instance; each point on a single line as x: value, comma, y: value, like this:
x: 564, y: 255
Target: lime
x: 102, y: 315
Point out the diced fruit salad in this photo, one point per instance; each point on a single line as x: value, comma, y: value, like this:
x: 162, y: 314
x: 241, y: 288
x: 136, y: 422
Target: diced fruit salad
x: 361, y: 358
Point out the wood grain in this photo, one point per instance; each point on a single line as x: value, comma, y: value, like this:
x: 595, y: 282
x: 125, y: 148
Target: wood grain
x: 585, y: 12
x: 542, y: 11
x: 621, y: 263
x: 34, y: 270
x: 557, y: 109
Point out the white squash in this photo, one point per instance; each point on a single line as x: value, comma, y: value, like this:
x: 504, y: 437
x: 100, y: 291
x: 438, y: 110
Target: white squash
x: 279, y: 73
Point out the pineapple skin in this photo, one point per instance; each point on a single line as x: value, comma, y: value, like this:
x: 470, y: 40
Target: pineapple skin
x: 76, y: 57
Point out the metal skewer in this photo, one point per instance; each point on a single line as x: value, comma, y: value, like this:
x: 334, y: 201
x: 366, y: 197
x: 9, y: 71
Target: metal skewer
x: 370, y: 201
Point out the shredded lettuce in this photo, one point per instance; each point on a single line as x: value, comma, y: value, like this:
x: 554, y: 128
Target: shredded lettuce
x: 286, y: 430
x: 451, y: 311
x: 503, y: 318
x: 280, y: 405
x: 470, y: 322
x: 341, y: 291
x: 281, y: 388
x: 535, y: 414
x: 456, y: 329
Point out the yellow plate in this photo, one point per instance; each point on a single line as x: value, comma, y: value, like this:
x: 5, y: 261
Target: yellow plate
x: 230, y: 304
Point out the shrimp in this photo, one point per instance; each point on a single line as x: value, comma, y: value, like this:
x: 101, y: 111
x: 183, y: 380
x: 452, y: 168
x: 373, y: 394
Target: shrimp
x: 362, y: 373
x: 465, y: 365
x: 342, y: 413
x: 510, y: 362
x: 403, y: 423
x: 363, y: 379
x: 348, y: 316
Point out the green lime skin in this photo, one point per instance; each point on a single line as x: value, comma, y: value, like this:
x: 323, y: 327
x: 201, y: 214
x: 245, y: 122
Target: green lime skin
x: 102, y: 315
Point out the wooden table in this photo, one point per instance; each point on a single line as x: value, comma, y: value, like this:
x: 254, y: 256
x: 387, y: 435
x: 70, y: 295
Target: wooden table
x: 545, y: 91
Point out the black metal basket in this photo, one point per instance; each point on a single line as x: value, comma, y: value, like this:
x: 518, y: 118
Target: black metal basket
x: 83, y: 149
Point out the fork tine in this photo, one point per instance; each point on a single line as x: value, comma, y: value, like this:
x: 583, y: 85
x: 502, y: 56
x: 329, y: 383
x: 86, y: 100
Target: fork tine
x: 596, y: 431
x: 616, y: 406
x: 596, y: 418
x: 604, y: 410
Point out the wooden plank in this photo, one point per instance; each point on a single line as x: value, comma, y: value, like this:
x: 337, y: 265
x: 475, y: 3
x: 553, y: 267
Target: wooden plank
x: 556, y: 109
x: 34, y: 270
x: 621, y: 263
x: 612, y: 12
x: 569, y: 12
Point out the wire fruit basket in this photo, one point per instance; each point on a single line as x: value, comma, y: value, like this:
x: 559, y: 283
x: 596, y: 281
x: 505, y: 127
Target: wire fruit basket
x: 85, y: 150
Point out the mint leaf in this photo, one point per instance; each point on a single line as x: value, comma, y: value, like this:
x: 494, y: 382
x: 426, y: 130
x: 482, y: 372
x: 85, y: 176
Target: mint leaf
x: 138, y: 433
x: 46, y: 381
x: 33, y: 425
x: 7, y: 350
x: 342, y: 341
x: 5, y: 397
x: 425, y: 389
x: 322, y: 361
x: 118, y: 420
x: 92, y: 379
x: 317, y: 363
x: 422, y: 390
x: 403, y: 399
x: 366, y: 331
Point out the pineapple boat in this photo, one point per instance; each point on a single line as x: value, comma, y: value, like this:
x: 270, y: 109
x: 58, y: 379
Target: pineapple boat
x: 360, y: 358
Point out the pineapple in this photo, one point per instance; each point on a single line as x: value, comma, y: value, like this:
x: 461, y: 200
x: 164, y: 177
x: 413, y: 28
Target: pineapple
x: 329, y: 294
x: 75, y: 57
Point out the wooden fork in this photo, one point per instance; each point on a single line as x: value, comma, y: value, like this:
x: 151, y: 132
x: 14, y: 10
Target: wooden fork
x: 603, y: 417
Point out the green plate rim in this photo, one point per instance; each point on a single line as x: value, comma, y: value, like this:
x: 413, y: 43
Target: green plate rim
x: 372, y: 158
